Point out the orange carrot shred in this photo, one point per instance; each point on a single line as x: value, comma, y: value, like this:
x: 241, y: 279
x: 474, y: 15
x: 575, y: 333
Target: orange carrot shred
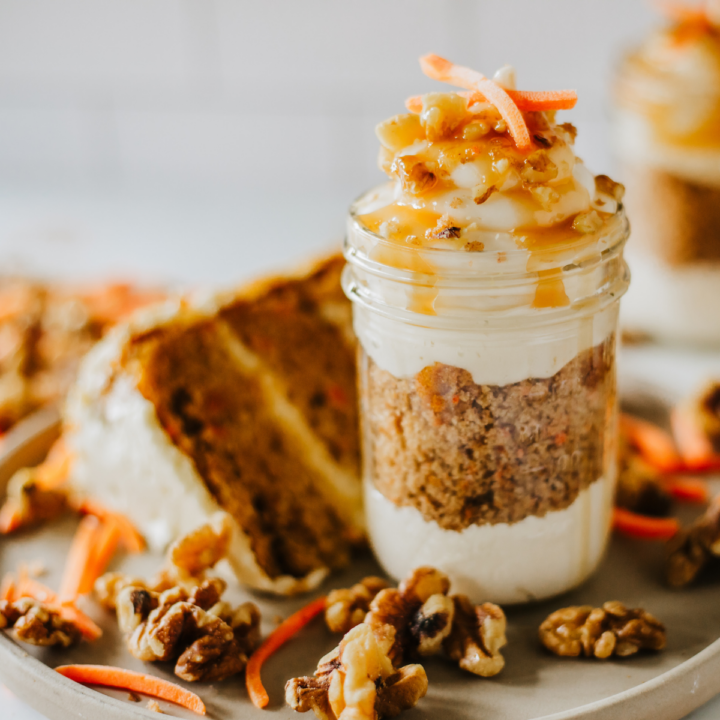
x: 115, y: 677
x: 7, y: 587
x: 654, y: 444
x: 644, y: 527
x: 695, y: 447
x: 105, y: 545
x: 129, y: 535
x: 11, y: 518
x: 687, y: 489
x: 440, y: 69
x: 526, y: 100
x: 79, y: 557
x: 273, y: 642
x: 55, y: 469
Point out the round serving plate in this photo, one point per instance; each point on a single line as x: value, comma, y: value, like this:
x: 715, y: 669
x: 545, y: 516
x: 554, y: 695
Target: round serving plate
x: 534, y: 684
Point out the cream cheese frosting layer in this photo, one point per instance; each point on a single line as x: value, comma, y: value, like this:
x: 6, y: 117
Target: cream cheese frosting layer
x: 533, y: 559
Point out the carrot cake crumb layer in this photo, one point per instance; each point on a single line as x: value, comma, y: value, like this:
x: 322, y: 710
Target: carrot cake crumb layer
x: 466, y: 454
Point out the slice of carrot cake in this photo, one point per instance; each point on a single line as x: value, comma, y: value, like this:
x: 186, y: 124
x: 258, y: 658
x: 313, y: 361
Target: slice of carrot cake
x: 244, y: 403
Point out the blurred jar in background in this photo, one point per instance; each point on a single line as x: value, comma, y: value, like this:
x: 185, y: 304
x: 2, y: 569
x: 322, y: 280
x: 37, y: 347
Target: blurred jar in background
x: 667, y: 141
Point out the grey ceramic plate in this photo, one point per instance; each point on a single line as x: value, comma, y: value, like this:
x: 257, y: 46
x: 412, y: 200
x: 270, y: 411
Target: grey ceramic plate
x: 665, y: 686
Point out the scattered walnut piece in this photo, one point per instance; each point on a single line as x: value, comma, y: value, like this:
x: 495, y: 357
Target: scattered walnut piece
x: 347, y: 608
x: 154, y: 706
x: 206, y: 638
x: 640, y: 488
x: 34, y: 503
x: 358, y: 680
x: 38, y: 624
x: 692, y: 548
x: 482, y: 193
x: 601, y: 632
x: 203, y: 548
x: 443, y: 230
x: 108, y: 587
x: 478, y: 634
x: 571, y: 130
x: 704, y: 409
x: 538, y: 168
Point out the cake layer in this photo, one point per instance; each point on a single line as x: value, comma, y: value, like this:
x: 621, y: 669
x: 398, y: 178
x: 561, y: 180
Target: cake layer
x: 300, y: 330
x: 465, y: 454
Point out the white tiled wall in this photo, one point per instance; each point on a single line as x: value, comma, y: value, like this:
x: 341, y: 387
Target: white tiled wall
x: 246, y: 92
x: 134, y: 128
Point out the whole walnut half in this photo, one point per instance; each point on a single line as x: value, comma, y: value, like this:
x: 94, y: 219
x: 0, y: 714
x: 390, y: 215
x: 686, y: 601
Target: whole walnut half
x: 358, y: 680
x: 602, y: 632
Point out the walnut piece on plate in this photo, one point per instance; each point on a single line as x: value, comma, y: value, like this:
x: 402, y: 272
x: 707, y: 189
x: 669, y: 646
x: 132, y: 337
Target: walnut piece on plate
x: 180, y: 616
x: 692, y: 548
x: 426, y: 621
x: 478, y: 634
x: 38, y: 624
x: 358, y: 680
x: 207, y: 638
x: 347, y: 607
x: 612, y: 629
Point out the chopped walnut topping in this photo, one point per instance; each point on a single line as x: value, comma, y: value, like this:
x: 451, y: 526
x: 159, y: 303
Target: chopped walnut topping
x: 358, y: 680
x: 478, y: 634
x: 154, y: 706
x: 482, y: 193
x: 601, y: 632
x: 474, y: 246
x: 38, y: 624
x: 347, y: 608
x: 692, y: 548
x: 570, y: 129
x: 587, y: 222
x: 400, y: 131
x: 442, y: 114
x: 475, y: 130
x: 542, y: 140
x: 456, y: 202
x: 545, y: 196
x: 538, y: 168
x: 443, y: 230
x: 415, y: 177
x: 606, y: 186
x: 207, y: 639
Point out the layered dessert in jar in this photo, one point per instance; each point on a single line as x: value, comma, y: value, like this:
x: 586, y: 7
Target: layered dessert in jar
x: 485, y: 278
x: 667, y: 141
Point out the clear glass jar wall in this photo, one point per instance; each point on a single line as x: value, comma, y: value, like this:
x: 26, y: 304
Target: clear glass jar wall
x: 488, y: 422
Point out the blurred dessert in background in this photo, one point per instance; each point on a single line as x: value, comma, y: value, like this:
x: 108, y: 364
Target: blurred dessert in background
x: 245, y: 403
x: 45, y: 329
x: 667, y: 139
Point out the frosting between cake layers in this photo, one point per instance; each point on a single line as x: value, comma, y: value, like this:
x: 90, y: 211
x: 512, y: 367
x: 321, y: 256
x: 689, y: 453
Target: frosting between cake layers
x: 533, y: 559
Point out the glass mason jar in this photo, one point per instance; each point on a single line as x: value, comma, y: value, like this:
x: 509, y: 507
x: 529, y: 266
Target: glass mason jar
x: 666, y: 141
x: 488, y: 407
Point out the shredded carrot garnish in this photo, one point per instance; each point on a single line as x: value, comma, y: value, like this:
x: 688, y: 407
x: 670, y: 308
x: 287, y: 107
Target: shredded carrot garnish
x: 440, y: 69
x: 55, y: 469
x: 654, y: 444
x: 687, y: 489
x: 644, y: 527
x: 526, y: 100
x: 83, y: 546
x: 115, y: 677
x: 129, y: 535
x: 105, y: 545
x: 7, y: 587
x: 30, y: 587
x: 274, y: 641
x: 11, y: 517
x: 681, y: 12
x: 695, y: 446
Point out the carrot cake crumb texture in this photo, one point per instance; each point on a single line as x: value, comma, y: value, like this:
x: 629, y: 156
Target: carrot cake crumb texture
x: 466, y: 454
